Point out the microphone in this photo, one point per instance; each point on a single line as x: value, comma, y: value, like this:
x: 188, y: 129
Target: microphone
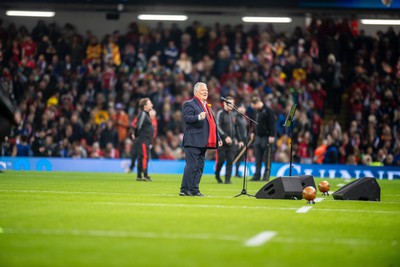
x: 227, y: 102
x: 224, y: 99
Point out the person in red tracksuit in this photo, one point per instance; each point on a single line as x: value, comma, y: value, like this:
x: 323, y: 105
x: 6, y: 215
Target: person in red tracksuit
x: 143, y: 137
x: 134, y: 148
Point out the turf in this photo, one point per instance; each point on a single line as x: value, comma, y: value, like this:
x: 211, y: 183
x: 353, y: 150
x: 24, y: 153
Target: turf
x: 92, y: 219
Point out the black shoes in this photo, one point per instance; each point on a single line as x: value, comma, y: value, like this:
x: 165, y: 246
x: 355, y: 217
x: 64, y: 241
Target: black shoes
x: 144, y: 179
x: 185, y: 194
x: 147, y: 179
x: 254, y: 180
x: 190, y: 194
x: 228, y: 182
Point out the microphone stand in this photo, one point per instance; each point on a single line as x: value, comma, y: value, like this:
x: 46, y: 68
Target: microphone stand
x: 244, y: 188
x: 289, y: 123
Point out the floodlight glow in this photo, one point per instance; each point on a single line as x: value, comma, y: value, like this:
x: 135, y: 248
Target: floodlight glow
x: 162, y: 17
x: 380, y: 21
x: 267, y: 19
x: 26, y: 13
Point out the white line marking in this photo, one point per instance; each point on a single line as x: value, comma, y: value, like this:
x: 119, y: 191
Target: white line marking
x: 223, y: 190
x: 97, y: 193
x: 192, y: 205
x: 304, y: 209
x: 359, y: 211
x: 200, y: 206
x: 260, y: 239
x: 80, y: 193
x: 351, y: 242
x: 121, y: 234
x: 239, y: 207
x: 254, y: 241
x: 318, y: 199
x: 340, y: 185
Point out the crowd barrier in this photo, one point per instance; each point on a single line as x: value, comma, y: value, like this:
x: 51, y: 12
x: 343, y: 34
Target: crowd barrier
x: 177, y: 167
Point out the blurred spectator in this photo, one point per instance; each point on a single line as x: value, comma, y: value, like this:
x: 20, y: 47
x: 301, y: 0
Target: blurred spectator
x: 110, y: 152
x: 22, y: 148
x: 108, y: 135
x: 121, y: 122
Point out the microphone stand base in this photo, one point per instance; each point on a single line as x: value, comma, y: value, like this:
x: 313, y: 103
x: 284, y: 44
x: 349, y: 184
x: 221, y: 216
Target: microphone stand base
x: 244, y: 192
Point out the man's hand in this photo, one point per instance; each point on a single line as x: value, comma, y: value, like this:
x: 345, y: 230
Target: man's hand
x: 241, y: 144
x: 133, y: 137
x: 271, y: 139
x: 220, y: 143
x: 228, y: 140
x: 202, y: 115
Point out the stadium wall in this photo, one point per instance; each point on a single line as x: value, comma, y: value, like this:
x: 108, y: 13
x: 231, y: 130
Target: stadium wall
x: 176, y: 167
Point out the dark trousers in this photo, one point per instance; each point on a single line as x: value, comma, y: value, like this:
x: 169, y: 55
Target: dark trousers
x: 194, y: 157
x: 143, y: 158
x: 262, y: 151
x: 134, y: 154
x: 225, y: 153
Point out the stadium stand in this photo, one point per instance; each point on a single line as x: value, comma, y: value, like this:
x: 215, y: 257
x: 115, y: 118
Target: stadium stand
x: 77, y: 94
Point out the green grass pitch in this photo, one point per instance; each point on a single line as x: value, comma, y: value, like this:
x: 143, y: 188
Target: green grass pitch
x: 105, y: 219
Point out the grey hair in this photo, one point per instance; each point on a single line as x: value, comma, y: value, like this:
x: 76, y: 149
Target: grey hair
x: 197, y: 86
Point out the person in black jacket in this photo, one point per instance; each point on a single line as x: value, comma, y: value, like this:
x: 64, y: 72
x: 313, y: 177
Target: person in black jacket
x: 265, y: 133
x: 227, y: 129
x: 143, y: 137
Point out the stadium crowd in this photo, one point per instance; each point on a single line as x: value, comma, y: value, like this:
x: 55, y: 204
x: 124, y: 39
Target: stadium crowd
x: 77, y: 94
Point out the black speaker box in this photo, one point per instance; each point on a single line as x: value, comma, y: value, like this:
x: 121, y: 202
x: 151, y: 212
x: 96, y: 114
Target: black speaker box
x: 361, y: 189
x: 306, y: 180
x: 283, y: 188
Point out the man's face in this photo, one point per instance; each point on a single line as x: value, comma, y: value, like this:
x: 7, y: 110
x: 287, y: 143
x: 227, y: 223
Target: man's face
x: 257, y: 105
x: 229, y: 107
x: 242, y: 109
x: 148, y: 106
x: 202, y: 93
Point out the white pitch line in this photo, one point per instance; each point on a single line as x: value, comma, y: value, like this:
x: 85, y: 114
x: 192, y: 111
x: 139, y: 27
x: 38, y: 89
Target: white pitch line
x: 120, y: 234
x: 223, y: 190
x: 257, y: 240
x: 239, y: 207
x: 359, y: 211
x: 351, y: 242
x: 192, y: 205
x: 318, y: 199
x: 304, y: 209
x: 96, y: 193
x: 63, y: 192
x: 260, y: 239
